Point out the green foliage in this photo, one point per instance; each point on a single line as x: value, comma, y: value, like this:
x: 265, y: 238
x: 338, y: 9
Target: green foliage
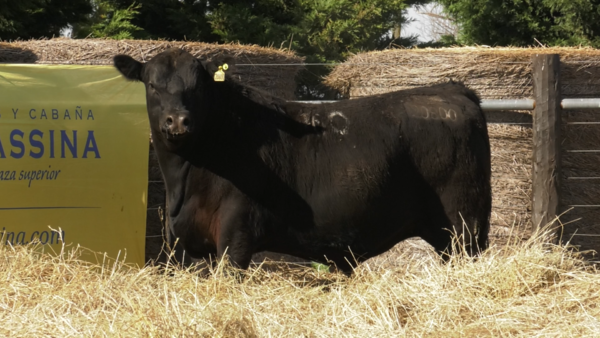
x: 26, y: 19
x: 331, y: 29
x: 322, y: 30
x: 109, y: 22
x: 263, y: 22
x: 172, y: 19
x: 448, y: 40
x: 520, y: 22
x: 444, y: 41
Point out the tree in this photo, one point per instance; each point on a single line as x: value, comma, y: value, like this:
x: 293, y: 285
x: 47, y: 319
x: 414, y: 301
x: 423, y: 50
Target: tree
x: 322, y: 30
x: 521, y: 22
x: 171, y: 19
x: 331, y: 30
x: 262, y: 22
x: 108, y: 22
x: 27, y: 19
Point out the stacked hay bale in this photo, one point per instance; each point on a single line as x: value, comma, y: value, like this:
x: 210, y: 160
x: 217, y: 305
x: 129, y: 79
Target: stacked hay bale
x: 501, y: 73
x: 278, y: 80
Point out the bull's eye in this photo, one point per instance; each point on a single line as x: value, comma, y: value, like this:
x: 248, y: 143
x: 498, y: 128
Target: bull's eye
x: 152, y: 90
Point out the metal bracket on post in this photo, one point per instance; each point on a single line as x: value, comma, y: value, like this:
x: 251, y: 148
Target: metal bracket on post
x: 546, y: 139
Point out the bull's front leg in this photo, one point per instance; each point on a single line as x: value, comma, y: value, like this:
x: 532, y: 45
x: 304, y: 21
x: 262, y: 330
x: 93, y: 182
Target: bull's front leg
x: 236, y: 239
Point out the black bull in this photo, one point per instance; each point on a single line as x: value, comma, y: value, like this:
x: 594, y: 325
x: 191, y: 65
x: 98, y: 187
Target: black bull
x: 341, y: 182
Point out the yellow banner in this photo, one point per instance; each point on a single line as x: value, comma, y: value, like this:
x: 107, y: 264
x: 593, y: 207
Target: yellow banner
x: 73, y: 156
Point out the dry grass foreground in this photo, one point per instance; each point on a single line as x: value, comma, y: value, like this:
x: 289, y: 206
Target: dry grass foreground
x: 529, y: 290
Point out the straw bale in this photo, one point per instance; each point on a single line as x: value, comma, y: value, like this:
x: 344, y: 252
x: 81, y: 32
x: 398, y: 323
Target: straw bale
x: 494, y: 73
x: 278, y: 80
x: 511, y: 147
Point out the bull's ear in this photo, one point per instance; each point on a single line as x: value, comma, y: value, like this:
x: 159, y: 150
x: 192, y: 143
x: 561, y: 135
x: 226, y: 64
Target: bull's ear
x: 213, y: 65
x: 129, y: 67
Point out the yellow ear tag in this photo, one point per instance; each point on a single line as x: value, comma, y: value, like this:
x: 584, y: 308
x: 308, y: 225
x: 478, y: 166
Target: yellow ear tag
x: 219, y: 75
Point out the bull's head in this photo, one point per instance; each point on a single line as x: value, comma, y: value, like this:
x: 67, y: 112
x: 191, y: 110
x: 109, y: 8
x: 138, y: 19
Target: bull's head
x: 175, y: 91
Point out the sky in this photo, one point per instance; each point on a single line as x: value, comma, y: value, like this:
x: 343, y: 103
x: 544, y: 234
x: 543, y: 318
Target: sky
x: 416, y: 27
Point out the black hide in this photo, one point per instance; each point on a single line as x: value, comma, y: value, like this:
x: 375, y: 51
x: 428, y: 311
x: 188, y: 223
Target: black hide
x: 337, y: 182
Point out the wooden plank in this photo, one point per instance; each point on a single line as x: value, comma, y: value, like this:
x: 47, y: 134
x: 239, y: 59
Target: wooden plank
x: 582, y: 227
x: 546, y: 138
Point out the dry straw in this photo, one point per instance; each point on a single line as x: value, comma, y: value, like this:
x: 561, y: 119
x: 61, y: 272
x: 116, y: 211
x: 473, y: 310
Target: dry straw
x: 533, y: 290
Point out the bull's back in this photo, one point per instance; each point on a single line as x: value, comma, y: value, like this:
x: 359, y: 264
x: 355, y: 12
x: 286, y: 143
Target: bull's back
x: 431, y: 125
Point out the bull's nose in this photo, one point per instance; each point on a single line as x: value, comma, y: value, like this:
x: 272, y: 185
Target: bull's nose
x: 177, y: 124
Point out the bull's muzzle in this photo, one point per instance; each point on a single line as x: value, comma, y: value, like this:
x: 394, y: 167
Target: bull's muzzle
x: 177, y: 125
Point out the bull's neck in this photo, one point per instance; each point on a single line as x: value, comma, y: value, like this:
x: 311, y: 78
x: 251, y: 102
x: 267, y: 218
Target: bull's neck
x: 175, y: 170
x: 202, y: 161
x: 247, y: 112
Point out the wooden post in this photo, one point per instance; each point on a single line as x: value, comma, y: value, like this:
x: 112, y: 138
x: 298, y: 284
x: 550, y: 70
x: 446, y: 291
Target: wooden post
x: 546, y: 138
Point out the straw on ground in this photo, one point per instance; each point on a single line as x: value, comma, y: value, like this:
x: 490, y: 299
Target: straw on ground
x: 527, y: 290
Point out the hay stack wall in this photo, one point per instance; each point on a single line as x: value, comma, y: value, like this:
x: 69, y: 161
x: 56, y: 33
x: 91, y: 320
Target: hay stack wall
x: 278, y: 80
x: 503, y: 73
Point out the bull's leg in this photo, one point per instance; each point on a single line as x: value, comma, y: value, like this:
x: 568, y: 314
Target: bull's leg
x: 179, y: 256
x: 235, y: 237
x: 461, y: 214
x: 467, y: 197
x: 437, y: 233
x: 447, y: 238
x: 238, y: 247
x: 174, y: 251
x: 473, y: 232
x: 467, y: 210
